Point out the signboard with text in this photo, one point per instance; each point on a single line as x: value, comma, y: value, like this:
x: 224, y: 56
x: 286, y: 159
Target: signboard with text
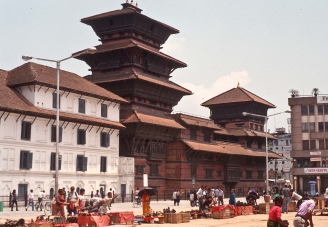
x: 315, y: 152
x: 315, y: 170
x: 322, y: 99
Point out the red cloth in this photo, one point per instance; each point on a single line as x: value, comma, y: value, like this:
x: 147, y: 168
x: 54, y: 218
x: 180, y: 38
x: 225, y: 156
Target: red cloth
x: 98, y: 220
x: 275, y: 213
x: 66, y: 225
x: 220, y: 208
x: 124, y: 217
x: 244, y: 210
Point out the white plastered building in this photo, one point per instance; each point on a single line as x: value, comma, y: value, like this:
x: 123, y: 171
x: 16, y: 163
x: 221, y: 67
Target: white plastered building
x: 89, y: 134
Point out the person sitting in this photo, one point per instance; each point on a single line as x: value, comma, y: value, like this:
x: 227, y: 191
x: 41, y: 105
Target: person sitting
x: 275, y: 214
x: 207, y: 205
x: 252, y: 194
x: 251, y: 202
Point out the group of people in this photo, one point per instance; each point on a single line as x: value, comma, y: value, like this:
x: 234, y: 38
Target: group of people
x: 30, y: 201
x: 288, y: 194
x: 206, y: 197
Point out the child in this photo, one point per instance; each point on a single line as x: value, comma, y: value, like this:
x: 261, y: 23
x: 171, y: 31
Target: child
x: 275, y: 214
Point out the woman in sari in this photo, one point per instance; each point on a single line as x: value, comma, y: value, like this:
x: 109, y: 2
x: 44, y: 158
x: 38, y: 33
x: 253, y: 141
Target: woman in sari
x: 145, y: 204
x: 60, y: 203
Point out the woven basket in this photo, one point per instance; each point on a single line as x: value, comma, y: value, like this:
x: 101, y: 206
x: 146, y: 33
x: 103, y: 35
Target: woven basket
x: 173, y: 218
x: 225, y: 213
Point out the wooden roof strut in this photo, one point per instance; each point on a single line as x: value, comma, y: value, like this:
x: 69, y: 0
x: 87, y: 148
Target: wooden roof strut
x: 18, y: 117
x: 40, y: 88
x: 33, y: 121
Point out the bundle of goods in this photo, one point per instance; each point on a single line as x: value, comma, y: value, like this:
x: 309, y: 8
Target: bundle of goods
x: 226, y: 211
x: 14, y: 223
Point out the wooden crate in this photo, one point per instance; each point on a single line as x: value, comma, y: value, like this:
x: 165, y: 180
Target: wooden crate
x: 185, y: 217
x: 292, y: 207
x: 225, y: 213
x: 173, y: 218
x: 264, y: 208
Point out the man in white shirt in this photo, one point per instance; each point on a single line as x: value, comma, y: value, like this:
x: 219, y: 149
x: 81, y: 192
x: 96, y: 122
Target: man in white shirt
x: 200, y: 197
x: 41, y: 196
x: 174, y: 197
x: 30, y: 200
x: 296, y: 197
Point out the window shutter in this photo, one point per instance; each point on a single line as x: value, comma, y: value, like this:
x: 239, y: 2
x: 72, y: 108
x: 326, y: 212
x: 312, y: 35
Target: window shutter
x: 81, y: 106
x: 23, y: 130
x: 60, y: 134
x: 79, y: 163
x: 59, y: 162
x: 53, y: 161
x: 54, y: 100
x: 85, y: 164
x: 107, y: 139
x: 104, y: 108
x: 28, y: 130
x: 103, y: 164
x: 21, y: 161
x: 29, y: 160
x: 102, y: 139
x: 53, y: 133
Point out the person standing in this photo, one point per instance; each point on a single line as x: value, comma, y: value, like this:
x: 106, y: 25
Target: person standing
x: 174, y: 197
x: 60, y: 203
x: 296, y: 197
x: 14, y: 200
x: 145, y: 204
x: 200, y: 197
x: 178, y: 195
x: 220, y: 197
x: 30, y: 200
x: 188, y: 194
x: 191, y: 198
x: 97, y: 194
x: 275, y: 214
x: 72, y: 199
x: 286, y: 193
x: 232, y: 200
x: 303, y: 216
x: 80, y: 201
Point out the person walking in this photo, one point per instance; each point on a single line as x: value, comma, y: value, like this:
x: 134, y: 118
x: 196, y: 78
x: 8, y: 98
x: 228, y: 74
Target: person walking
x: 303, y: 216
x: 14, y: 200
x: 286, y: 193
x: 30, y: 200
x: 178, y: 195
x: 232, y: 200
x: 174, y: 197
x: 41, y: 196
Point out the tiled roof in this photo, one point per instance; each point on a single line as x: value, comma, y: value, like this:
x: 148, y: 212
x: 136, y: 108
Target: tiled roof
x: 226, y: 148
x: 222, y: 131
x: 129, y: 43
x: 195, y: 121
x: 161, y: 120
x: 12, y: 101
x: 248, y: 132
x: 236, y: 95
x: 133, y: 74
x: 32, y: 73
x: 87, y: 20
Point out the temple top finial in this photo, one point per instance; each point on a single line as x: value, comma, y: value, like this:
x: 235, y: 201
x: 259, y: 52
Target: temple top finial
x: 238, y: 85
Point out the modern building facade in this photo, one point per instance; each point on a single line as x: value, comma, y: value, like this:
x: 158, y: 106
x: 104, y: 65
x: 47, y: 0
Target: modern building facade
x: 89, y: 133
x: 309, y: 129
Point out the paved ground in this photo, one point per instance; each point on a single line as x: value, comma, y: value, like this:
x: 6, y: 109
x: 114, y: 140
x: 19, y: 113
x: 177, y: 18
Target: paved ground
x: 244, y: 221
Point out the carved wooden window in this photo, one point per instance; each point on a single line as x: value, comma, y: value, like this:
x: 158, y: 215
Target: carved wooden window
x: 139, y: 169
x: 193, y: 133
x: 248, y: 174
x: 152, y: 102
x: 26, y: 159
x: 209, y: 173
x: 207, y: 137
x: 153, y: 170
x: 219, y: 173
x: 260, y: 174
x: 249, y: 161
x: 81, y: 163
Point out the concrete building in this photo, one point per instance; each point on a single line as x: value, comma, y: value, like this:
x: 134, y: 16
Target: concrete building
x: 309, y: 128
x: 89, y: 133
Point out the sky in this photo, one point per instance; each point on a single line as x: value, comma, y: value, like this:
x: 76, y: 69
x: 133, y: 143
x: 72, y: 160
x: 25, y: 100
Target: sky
x: 269, y: 47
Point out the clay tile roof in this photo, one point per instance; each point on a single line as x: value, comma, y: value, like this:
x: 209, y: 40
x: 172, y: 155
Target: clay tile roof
x: 262, y: 134
x: 32, y: 73
x: 262, y: 154
x: 131, y: 75
x: 222, y: 131
x: 236, y: 95
x: 161, y: 120
x: 248, y: 132
x: 195, y: 121
x: 87, y: 20
x: 129, y: 43
x: 12, y: 101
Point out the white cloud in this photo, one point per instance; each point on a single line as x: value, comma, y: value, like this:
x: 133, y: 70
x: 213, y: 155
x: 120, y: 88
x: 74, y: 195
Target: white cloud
x: 174, y: 45
x: 191, y: 104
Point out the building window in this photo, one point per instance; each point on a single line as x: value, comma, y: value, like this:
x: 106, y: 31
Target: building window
x: 305, y: 145
x: 53, y: 133
x: 326, y: 143
x: 248, y: 174
x: 219, y: 173
x: 81, y: 105
x: 304, y: 110
x: 81, y: 163
x: 54, y: 100
x: 139, y: 169
x: 320, y: 109
x: 325, y: 108
x: 287, y: 142
x: 26, y: 130
x: 104, y: 109
x: 193, y: 133
x: 312, y: 126
x: 260, y: 174
x: 81, y: 136
x: 209, y: 173
x: 311, y: 109
x: 153, y: 170
x: 104, y: 139
x: 320, y: 127
x: 305, y: 127
x: 53, y: 161
x: 321, y: 144
x: 326, y: 126
x: 312, y: 145
x: 152, y: 102
x: 26, y: 159
x: 103, y: 164
x: 207, y: 137
x: 139, y: 99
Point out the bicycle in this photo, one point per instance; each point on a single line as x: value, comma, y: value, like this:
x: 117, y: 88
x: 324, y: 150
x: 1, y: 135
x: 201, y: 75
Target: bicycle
x: 46, y: 206
x: 137, y: 202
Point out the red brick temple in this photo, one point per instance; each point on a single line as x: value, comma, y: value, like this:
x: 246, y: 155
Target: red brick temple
x: 177, y: 151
